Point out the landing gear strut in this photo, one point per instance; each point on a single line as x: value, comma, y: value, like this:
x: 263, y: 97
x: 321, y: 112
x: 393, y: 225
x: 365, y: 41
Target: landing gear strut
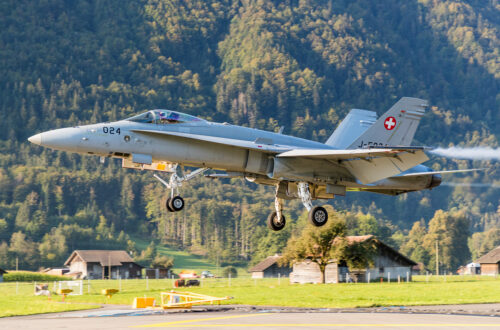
x: 318, y: 216
x: 175, y: 202
x: 276, y: 220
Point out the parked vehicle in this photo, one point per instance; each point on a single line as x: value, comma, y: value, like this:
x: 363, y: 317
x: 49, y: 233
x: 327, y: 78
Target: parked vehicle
x: 206, y: 274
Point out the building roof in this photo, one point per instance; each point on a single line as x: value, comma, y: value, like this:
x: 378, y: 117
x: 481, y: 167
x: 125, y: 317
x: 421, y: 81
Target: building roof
x: 265, y: 264
x: 269, y: 261
x: 2, y: 271
x: 491, y: 257
x: 104, y: 257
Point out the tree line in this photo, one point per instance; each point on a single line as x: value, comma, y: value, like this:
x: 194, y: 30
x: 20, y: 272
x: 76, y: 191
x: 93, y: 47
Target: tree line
x: 262, y: 64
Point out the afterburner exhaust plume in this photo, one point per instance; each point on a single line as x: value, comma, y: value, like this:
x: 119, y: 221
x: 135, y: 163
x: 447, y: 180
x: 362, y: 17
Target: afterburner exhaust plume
x: 478, y: 153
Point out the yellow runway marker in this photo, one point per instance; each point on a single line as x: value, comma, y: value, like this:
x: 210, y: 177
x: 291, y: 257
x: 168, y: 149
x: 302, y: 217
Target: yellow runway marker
x: 179, y: 323
x: 316, y: 325
x: 192, y: 323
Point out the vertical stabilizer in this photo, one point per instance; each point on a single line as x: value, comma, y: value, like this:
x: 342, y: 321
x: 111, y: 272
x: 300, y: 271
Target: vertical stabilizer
x: 354, y: 124
x: 396, y: 127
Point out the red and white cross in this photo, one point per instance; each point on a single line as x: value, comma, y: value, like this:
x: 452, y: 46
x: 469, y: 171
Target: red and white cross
x: 390, y: 123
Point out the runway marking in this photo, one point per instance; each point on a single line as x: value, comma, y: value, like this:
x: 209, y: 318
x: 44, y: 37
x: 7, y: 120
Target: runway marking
x: 310, y: 325
x: 179, y: 323
x: 189, y: 324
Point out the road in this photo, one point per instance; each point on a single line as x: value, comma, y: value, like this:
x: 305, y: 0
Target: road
x: 253, y: 319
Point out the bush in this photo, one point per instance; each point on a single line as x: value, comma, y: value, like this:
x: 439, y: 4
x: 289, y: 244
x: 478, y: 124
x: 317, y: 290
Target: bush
x: 230, y: 270
x: 31, y: 277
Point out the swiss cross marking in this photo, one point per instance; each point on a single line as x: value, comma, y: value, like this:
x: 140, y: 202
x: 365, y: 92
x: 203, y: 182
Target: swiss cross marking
x: 390, y: 123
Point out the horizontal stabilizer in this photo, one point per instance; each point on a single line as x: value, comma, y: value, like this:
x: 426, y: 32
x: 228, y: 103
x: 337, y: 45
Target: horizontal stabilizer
x: 371, y: 170
x: 367, y: 165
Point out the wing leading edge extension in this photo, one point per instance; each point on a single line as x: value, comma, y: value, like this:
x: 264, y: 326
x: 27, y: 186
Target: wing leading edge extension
x: 258, y: 144
x: 367, y: 165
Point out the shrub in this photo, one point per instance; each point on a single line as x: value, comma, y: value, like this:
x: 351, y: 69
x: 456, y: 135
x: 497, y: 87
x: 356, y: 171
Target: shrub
x: 31, y: 277
x: 230, y: 270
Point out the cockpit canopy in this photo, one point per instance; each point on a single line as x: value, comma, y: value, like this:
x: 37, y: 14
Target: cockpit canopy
x: 163, y: 117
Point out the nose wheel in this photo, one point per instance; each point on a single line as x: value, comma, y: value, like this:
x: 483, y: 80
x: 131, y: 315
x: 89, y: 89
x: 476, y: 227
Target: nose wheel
x: 276, y: 223
x: 176, y: 203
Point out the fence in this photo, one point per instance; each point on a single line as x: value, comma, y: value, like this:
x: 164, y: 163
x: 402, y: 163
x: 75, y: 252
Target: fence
x: 94, y: 287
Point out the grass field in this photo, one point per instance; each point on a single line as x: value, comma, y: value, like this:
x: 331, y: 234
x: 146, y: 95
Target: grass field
x: 268, y: 292
x: 185, y: 260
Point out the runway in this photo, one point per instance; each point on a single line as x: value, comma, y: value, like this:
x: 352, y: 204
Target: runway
x: 259, y: 319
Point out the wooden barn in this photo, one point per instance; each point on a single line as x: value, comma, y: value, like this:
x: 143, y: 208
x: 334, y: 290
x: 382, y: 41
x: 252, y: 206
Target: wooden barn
x: 388, y: 263
x: 102, y: 264
x: 490, y: 262
x: 269, y: 268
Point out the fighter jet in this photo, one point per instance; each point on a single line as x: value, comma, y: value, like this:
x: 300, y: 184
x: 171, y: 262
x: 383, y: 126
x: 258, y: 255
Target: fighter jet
x: 363, y: 154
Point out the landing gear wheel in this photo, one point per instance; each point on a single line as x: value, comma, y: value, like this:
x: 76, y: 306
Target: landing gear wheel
x: 318, y: 216
x: 176, y: 203
x: 274, y: 223
x: 167, y: 204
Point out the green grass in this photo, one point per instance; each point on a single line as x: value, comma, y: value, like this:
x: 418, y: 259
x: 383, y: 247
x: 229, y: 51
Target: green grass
x: 185, y: 260
x: 18, y: 299
x: 270, y: 292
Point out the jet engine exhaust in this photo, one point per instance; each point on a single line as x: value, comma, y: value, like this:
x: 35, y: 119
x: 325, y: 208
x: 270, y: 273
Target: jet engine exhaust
x: 435, y: 181
x: 477, y: 153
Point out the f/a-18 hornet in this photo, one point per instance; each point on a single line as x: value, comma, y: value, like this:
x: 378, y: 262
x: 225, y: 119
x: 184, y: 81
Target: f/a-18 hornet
x: 363, y: 154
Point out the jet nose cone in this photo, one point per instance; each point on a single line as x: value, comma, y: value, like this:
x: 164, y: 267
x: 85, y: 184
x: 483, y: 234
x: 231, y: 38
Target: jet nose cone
x: 36, y: 139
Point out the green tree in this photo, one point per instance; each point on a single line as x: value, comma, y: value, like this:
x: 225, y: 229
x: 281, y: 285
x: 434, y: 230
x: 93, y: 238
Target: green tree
x: 449, y: 230
x: 316, y: 244
x: 483, y: 242
x: 414, y: 248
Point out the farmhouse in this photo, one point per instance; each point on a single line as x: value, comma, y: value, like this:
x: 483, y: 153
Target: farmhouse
x: 102, y: 264
x: 387, y: 264
x: 269, y: 268
x: 490, y: 262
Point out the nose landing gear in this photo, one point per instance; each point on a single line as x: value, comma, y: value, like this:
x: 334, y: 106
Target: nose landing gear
x: 175, y: 202
x: 276, y: 220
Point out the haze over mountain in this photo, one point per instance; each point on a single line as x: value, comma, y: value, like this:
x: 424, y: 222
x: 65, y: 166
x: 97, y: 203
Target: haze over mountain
x: 265, y: 64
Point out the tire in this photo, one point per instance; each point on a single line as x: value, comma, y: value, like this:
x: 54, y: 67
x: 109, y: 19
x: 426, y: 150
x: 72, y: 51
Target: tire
x: 176, y: 203
x: 318, y: 216
x: 167, y: 204
x: 274, y: 224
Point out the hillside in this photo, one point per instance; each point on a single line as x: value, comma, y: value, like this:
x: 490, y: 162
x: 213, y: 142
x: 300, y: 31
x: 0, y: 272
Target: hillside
x: 264, y: 64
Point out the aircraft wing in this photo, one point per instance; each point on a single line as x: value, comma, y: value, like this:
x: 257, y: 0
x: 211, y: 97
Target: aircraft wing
x: 367, y: 165
x: 259, y: 144
x: 442, y: 172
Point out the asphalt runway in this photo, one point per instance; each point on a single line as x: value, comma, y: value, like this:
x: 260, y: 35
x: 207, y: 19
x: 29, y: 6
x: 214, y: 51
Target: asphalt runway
x: 260, y: 319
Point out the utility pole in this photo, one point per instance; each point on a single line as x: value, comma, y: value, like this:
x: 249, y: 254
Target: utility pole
x: 437, y: 257
x: 17, y: 264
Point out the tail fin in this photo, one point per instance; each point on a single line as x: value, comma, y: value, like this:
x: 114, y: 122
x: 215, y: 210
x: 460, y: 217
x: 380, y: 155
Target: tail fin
x: 354, y: 124
x: 396, y: 127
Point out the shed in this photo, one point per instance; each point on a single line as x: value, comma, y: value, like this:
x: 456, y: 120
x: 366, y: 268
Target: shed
x: 269, y: 268
x: 470, y: 269
x: 1, y: 274
x: 102, y: 264
x: 490, y: 262
x: 388, y: 264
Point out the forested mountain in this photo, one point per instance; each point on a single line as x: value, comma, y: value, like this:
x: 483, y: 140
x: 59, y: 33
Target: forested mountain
x: 301, y: 64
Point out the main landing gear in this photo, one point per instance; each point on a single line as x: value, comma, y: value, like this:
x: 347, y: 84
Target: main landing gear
x: 175, y: 202
x: 318, y: 215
